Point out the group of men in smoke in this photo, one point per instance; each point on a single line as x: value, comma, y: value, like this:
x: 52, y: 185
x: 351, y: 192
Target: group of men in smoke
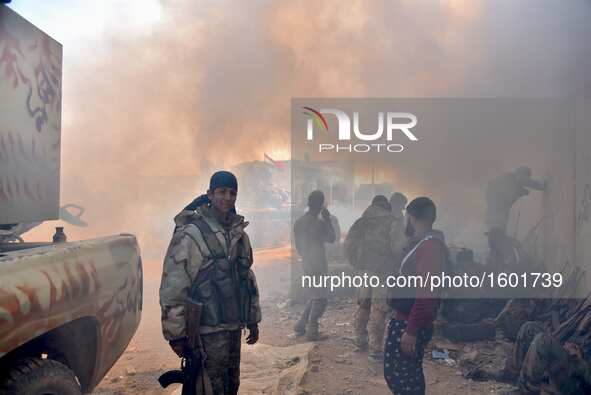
x: 380, y: 243
x: 550, y: 359
x: 209, y: 260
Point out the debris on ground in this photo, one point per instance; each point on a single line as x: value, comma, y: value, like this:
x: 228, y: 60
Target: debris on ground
x: 436, y: 354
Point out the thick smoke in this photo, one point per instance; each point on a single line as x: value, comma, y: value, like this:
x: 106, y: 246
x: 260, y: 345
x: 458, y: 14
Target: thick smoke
x: 148, y: 116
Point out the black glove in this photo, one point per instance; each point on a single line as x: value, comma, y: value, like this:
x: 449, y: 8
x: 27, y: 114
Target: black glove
x: 253, y: 334
x: 179, y: 346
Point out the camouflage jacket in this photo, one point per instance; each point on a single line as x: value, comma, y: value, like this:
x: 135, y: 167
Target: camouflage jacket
x: 375, y: 241
x: 189, y: 256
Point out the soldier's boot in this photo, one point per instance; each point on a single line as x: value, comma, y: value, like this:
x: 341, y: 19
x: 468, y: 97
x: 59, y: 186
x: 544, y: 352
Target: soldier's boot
x: 361, y: 320
x: 361, y: 344
x: 300, y: 327
x: 375, y: 357
x: 316, y: 311
x: 312, y: 331
x: 375, y: 361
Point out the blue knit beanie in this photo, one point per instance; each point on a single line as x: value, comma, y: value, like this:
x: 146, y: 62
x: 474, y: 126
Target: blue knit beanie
x: 223, y: 179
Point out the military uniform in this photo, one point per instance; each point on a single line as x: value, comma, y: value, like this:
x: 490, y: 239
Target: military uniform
x: 373, y: 247
x: 211, y: 262
x: 546, y: 366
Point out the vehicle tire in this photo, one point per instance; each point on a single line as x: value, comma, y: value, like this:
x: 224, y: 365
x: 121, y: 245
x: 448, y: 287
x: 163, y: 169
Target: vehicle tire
x: 35, y: 376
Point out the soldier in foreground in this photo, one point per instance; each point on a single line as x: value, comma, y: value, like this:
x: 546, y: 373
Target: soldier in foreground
x: 373, y: 247
x: 209, y: 260
x: 310, y: 235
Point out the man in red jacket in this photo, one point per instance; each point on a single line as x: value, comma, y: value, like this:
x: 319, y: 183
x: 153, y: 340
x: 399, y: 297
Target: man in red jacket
x: 412, y: 326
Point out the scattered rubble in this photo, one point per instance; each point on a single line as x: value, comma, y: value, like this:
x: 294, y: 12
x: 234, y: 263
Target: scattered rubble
x: 468, y: 359
x: 324, y: 375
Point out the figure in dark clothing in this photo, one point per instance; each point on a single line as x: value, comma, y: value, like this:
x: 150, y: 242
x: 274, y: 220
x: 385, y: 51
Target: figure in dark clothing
x: 311, y: 232
x: 411, y: 328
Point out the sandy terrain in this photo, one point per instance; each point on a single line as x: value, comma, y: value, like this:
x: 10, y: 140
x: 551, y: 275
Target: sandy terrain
x: 335, y: 368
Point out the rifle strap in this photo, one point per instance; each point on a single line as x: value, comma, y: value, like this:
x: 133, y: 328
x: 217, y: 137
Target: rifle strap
x: 213, y: 244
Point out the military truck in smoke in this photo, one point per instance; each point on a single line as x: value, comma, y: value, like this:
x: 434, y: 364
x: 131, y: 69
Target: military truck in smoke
x: 67, y: 310
x: 265, y: 201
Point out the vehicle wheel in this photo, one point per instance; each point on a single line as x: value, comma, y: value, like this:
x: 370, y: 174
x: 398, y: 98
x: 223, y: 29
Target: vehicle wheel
x: 35, y: 376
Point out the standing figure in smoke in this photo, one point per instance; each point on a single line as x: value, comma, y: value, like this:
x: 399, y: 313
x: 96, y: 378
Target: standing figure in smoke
x: 209, y: 260
x: 311, y: 232
x: 373, y: 247
x: 411, y: 329
x: 501, y: 194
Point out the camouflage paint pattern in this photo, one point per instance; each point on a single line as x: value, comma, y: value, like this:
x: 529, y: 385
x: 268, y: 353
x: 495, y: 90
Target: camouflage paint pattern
x: 44, y: 288
x: 223, y: 360
x: 30, y: 121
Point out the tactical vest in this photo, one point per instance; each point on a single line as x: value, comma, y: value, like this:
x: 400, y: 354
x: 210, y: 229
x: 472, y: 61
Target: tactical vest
x: 218, y: 282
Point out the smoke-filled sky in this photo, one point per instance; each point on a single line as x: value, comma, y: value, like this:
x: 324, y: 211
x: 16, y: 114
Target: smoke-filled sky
x: 157, y: 94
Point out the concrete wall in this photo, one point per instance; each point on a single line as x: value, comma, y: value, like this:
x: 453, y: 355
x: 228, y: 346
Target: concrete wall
x: 30, y: 121
x: 567, y: 203
x: 583, y: 192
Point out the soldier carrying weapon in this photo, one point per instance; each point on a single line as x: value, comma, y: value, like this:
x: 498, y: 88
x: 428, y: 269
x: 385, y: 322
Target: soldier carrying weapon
x: 208, y: 263
x: 192, y: 374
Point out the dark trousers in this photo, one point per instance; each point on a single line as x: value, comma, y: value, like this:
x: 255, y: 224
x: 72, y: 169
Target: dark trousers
x: 222, y: 350
x: 315, y: 308
x: 403, y: 374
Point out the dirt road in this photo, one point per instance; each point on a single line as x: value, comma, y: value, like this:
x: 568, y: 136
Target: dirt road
x: 335, y: 368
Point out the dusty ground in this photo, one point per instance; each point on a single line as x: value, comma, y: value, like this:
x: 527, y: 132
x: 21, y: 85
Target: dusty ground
x: 335, y: 367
